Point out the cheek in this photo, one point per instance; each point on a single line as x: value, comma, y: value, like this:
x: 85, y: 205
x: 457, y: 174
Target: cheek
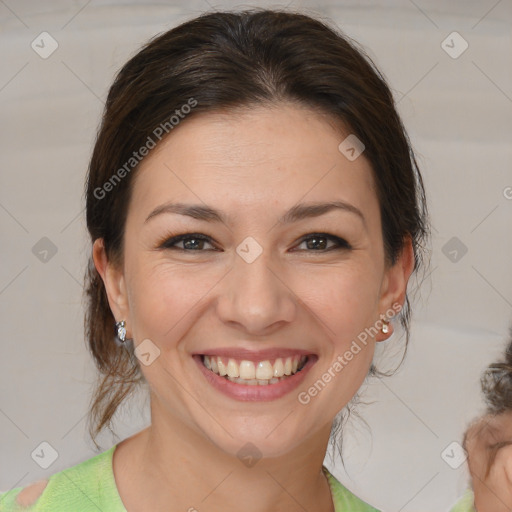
x: 477, y: 462
x: 344, y: 298
x: 502, y: 469
x: 493, y: 492
x: 343, y: 303
x: 507, y: 464
x: 165, y: 297
x: 162, y: 297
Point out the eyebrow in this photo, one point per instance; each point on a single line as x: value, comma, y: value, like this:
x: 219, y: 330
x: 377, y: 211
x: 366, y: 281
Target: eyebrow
x: 294, y: 214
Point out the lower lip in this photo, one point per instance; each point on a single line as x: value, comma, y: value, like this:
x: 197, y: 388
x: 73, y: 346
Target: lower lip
x: 246, y: 393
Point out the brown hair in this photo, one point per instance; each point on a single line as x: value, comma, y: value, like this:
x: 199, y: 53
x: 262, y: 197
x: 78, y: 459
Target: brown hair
x: 496, y: 384
x: 225, y: 60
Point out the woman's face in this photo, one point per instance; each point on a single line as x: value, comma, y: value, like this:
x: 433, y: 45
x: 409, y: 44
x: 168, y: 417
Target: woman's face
x: 262, y: 283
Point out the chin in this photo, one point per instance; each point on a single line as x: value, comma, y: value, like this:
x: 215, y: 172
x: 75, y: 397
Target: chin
x: 267, y: 439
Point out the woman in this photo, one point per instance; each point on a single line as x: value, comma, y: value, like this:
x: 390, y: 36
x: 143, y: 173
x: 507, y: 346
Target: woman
x: 488, y: 442
x: 256, y: 213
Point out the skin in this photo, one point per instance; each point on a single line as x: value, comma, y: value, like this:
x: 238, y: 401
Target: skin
x: 253, y: 165
x: 493, y: 493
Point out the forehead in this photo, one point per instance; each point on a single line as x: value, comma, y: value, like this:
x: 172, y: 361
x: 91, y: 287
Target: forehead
x: 253, y: 156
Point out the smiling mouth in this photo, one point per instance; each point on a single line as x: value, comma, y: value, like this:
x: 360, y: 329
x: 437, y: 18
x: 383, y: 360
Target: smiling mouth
x: 254, y: 373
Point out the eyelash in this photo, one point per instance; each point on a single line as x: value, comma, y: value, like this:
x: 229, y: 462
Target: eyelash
x: 169, y: 243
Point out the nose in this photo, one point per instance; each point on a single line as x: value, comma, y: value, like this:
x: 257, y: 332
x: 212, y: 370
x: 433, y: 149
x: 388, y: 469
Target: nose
x: 255, y: 297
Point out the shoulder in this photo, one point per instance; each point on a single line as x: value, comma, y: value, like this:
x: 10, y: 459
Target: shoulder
x: 343, y: 499
x: 22, y: 498
x: 466, y: 503
x: 80, y: 487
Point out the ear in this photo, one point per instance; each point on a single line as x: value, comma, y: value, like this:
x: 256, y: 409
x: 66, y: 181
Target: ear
x: 113, y: 279
x: 394, y: 284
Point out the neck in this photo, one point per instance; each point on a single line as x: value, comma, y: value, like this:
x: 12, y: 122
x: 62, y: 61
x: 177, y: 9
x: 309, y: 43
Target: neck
x: 179, y: 466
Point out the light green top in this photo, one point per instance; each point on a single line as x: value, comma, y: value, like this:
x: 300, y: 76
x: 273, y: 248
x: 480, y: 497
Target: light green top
x: 90, y: 487
x: 466, y: 503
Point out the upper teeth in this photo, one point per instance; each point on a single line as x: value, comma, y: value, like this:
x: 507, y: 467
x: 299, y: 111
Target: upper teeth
x: 248, y: 370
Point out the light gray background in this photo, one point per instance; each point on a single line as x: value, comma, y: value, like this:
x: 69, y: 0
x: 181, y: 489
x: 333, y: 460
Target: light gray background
x: 459, y: 115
